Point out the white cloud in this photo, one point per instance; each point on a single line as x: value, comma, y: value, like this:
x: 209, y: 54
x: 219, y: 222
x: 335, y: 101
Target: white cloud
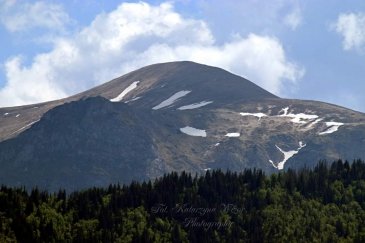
x: 20, y: 16
x: 294, y: 18
x: 135, y: 35
x: 26, y: 86
x: 351, y: 27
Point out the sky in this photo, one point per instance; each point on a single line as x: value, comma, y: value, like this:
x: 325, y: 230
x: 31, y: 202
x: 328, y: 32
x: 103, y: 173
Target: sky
x: 308, y: 49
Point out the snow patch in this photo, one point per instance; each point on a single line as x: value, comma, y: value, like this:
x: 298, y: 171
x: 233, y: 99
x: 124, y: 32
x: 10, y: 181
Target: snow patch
x: 233, y: 135
x: 134, y: 99
x: 5, y: 114
x: 171, y: 100
x: 17, y: 115
x: 258, y: 115
x: 207, y: 169
x: 193, y: 132
x: 272, y: 163
x: 285, y: 110
x: 217, y: 144
x: 195, y: 106
x: 300, y: 118
x: 287, y: 155
x: 314, y: 123
x: 125, y: 92
x: 22, y: 128
x: 333, y: 127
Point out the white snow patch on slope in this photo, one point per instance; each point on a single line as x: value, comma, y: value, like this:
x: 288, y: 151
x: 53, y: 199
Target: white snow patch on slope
x: 287, y: 155
x: 300, y: 118
x: 285, y: 110
x: 195, y: 106
x: 258, y: 115
x: 217, y: 144
x: 125, y: 92
x: 333, y: 127
x: 272, y: 163
x: 233, y: 135
x: 193, y: 132
x: 17, y: 115
x: 315, y: 122
x: 172, y: 99
x: 207, y: 169
x: 22, y: 128
x: 5, y: 114
x: 134, y: 99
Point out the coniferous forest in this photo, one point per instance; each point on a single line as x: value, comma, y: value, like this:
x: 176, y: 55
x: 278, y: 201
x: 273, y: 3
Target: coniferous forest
x: 323, y: 204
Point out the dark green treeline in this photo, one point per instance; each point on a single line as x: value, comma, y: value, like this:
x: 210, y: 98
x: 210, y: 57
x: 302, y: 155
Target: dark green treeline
x: 323, y: 204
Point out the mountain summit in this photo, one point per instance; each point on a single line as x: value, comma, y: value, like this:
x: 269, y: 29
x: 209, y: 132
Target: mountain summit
x: 170, y: 117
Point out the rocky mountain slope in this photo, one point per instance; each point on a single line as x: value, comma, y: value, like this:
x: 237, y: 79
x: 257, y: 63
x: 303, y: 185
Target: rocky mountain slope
x: 170, y: 117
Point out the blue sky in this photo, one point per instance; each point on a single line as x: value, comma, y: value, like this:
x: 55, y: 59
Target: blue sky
x: 295, y: 49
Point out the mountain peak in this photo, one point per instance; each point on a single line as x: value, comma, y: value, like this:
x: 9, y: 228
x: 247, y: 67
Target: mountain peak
x: 177, y: 116
x: 165, y: 79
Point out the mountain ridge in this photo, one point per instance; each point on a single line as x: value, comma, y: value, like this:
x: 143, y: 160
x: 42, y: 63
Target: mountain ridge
x: 170, y: 117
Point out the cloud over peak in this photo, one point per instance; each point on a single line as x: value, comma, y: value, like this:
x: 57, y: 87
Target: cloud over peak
x: 294, y: 18
x: 134, y: 35
x: 18, y: 16
x: 351, y: 26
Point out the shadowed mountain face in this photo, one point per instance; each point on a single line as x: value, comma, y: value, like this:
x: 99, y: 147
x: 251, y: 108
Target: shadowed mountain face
x: 170, y: 117
x: 83, y: 143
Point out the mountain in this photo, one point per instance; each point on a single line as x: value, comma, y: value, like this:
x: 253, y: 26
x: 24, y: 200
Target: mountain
x: 170, y: 117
